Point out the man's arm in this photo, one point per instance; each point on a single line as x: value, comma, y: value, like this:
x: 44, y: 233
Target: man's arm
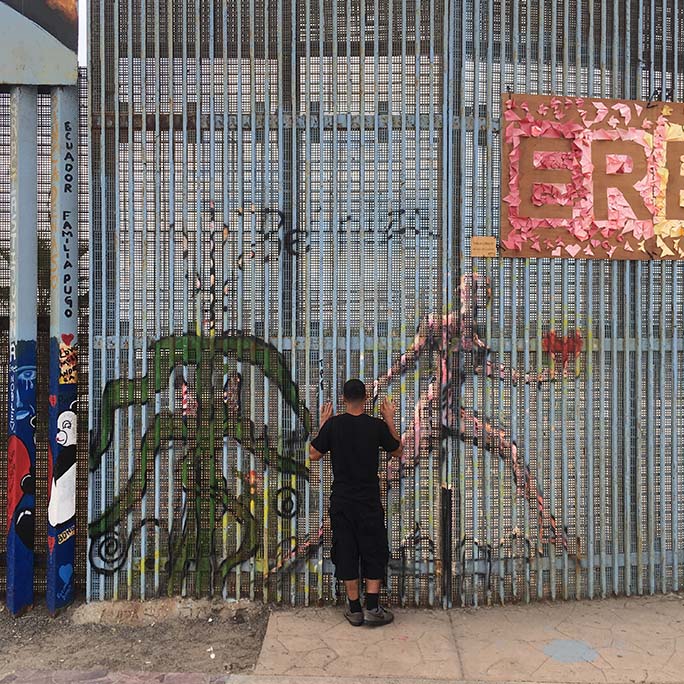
x: 326, y: 413
x: 387, y: 412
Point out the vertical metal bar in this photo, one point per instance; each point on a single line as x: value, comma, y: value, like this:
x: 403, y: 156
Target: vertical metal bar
x: 589, y: 423
x: 171, y: 314
x: 446, y: 522
x: 294, y: 261
x: 663, y: 434
x: 91, y: 298
x: 675, y: 457
x: 433, y: 313
x: 559, y: 530
x: 627, y: 339
x: 552, y: 412
x: 627, y: 432
x: 589, y: 429
x: 603, y: 413
x: 198, y: 298
x: 451, y: 238
x: 321, y: 242
x: 63, y: 426
x: 362, y: 191
x: 560, y: 533
x: 501, y: 369
x: 335, y: 218
x: 478, y: 430
x: 674, y: 412
x: 552, y: 394
x: 157, y: 294
x: 552, y: 533
x: 240, y: 265
x: 638, y: 317
x: 603, y: 506
x: 185, y: 478
x: 390, y: 211
x: 650, y: 436
x: 376, y: 203
x: 349, y: 190
x: 553, y: 536
x: 227, y: 266
x: 402, y: 298
x: 281, y: 258
x: 240, y: 277
x: 131, y: 294
x: 117, y: 260
x: 675, y: 50
x: 663, y: 55
x: 675, y: 337
x: 213, y: 481
x: 266, y: 202
x: 21, y: 452
x: 638, y: 380
x: 515, y: 379
x: 417, y: 418
x: 541, y: 493
x: 488, y: 370
x: 253, y: 179
x: 308, y: 287
x: 532, y: 551
x: 614, y: 432
x: 661, y: 348
x: 103, y: 270
x: 143, y: 236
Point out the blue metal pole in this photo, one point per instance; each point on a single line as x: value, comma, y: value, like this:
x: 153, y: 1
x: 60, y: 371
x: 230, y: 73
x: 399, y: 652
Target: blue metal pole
x: 21, y: 443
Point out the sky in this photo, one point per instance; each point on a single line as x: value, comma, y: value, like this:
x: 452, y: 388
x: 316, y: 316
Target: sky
x: 82, y: 32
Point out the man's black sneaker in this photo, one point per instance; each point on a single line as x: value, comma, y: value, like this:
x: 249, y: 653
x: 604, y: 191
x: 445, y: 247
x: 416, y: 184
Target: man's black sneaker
x: 378, y: 616
x: 355, y: 619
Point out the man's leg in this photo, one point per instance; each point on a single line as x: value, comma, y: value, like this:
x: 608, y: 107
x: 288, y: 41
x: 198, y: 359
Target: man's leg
x: 372, y: 593
x: 345, y: 556
x: 352, y: 587
x: 374, y: 551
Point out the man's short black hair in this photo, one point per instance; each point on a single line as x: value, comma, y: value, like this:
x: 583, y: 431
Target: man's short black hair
x: 354, y: 390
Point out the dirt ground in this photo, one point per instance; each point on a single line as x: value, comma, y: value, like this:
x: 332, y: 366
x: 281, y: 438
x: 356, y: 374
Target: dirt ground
x: 166, y: 635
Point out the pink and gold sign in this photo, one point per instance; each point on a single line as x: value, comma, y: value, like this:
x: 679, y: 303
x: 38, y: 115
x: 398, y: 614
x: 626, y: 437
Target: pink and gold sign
x: 587, y: 178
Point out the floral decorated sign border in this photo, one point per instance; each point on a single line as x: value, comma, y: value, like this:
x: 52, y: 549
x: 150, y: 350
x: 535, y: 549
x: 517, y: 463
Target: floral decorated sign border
x: 589, y: 178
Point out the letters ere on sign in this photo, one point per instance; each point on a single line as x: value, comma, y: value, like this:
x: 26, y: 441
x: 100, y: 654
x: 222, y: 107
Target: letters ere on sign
x: 591, y: 178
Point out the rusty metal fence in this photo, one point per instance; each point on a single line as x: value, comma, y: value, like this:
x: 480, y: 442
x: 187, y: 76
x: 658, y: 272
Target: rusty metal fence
x: 283, y: 194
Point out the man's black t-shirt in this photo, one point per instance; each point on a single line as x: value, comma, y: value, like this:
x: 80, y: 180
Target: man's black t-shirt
x: 353, y: 442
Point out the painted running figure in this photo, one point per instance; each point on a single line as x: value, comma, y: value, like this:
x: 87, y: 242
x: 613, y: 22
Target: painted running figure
x: 356, y: 515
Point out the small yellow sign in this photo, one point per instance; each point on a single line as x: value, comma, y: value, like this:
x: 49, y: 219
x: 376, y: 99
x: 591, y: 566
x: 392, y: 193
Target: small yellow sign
x: 483, y: 246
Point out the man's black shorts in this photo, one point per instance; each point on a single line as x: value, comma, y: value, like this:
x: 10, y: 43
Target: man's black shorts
x: 358, y: 534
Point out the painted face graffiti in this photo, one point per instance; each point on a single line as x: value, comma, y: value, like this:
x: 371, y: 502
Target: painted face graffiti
x: 21, y: 489
x: 66, y: 434
x: 62, y: 495
x: 24, y: 392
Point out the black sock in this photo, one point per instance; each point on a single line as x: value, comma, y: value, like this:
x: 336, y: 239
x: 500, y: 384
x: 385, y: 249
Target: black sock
x: 372, y: 601
x: 355, y: 606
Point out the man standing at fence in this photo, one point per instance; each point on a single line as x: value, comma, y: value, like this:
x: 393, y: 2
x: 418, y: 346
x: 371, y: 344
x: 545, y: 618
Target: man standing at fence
x: 356, y: 515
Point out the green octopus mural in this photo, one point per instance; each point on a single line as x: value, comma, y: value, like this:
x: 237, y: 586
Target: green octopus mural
x: 111, y: 532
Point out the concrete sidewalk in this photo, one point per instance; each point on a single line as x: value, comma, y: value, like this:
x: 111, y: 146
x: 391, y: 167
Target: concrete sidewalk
x: 611, y: 642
